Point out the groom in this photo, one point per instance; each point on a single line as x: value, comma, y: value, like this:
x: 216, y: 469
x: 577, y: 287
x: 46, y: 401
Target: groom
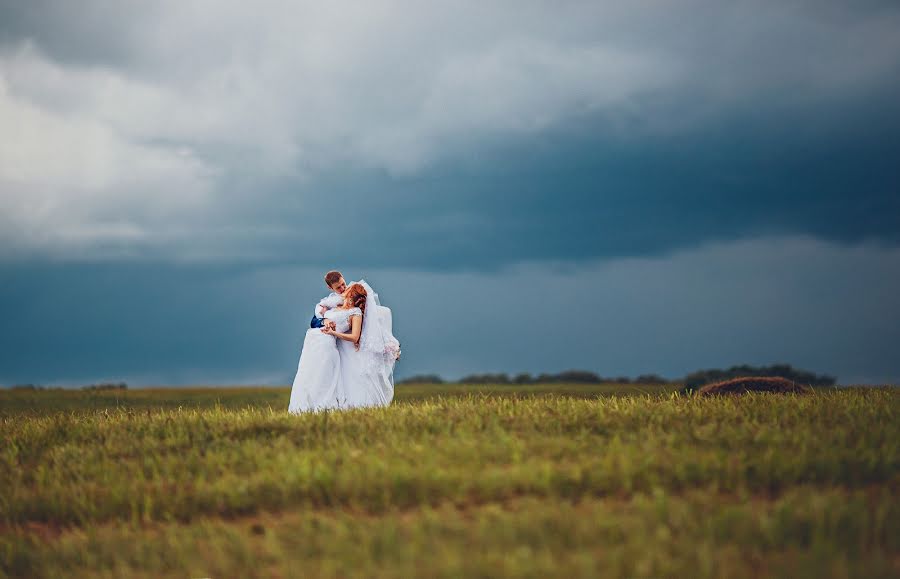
x: 335, y: 282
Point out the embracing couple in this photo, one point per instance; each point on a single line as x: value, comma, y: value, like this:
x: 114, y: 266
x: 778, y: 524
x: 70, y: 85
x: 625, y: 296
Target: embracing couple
x: 349, y: 351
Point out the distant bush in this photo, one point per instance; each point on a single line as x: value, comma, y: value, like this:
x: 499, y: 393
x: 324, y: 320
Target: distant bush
x: 422, y: 379
x: 701, y: 377
x: 695, y: 380
x: 106, y: 386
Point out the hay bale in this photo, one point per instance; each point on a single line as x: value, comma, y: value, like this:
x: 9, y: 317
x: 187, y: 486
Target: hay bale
x: 754, y: 384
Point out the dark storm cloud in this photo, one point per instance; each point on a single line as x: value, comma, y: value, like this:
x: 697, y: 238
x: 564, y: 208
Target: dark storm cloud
x: 584, y: 198
x: 95, y: 32
x: 485, y: 135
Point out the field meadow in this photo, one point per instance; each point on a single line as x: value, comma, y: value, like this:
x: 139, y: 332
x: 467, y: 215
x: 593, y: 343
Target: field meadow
x: 451, y: 481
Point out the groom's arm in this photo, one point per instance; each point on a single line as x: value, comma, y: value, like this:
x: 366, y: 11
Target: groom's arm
x: 323, y: 306
x: 326, y: 304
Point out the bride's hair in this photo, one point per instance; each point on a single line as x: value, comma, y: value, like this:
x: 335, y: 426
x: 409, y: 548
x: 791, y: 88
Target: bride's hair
x: 357, y: 295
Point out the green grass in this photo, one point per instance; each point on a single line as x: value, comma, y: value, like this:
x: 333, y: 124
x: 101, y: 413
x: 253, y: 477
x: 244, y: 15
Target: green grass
x: 43, y: 402
x: 450, y: 481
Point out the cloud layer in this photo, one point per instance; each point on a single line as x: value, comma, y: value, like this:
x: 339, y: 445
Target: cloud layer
x: 214, y: 131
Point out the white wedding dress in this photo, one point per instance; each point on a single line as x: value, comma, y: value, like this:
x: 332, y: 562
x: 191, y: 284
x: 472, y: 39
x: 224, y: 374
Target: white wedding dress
x: 333, y: 374
x: 317, y: 384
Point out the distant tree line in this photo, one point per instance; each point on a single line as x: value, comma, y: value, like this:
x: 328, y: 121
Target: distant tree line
x: 101, y: 386
x: 422, y: 379
x: 569, y: 377
x: 691, y: 382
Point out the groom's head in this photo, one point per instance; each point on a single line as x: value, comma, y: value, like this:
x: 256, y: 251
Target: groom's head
x: 335, y: 281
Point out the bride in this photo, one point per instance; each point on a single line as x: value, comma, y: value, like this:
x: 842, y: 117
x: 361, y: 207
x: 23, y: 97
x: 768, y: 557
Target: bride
x: 349, y: 364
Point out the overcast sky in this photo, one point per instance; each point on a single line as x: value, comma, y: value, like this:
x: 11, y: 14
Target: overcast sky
x: 531, y: 186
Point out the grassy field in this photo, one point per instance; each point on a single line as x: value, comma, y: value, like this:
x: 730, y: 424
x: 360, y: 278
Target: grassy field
x: 450, y: 481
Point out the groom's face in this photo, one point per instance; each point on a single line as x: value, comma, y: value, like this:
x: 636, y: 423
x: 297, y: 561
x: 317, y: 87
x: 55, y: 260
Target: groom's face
x: 339, y: 287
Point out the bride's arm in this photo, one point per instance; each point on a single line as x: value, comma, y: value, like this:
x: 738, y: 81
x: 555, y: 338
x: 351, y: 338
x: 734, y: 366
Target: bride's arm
x: 355, y: 330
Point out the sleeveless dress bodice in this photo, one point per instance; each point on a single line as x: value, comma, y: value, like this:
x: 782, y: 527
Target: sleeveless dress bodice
x: 341, y: 318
